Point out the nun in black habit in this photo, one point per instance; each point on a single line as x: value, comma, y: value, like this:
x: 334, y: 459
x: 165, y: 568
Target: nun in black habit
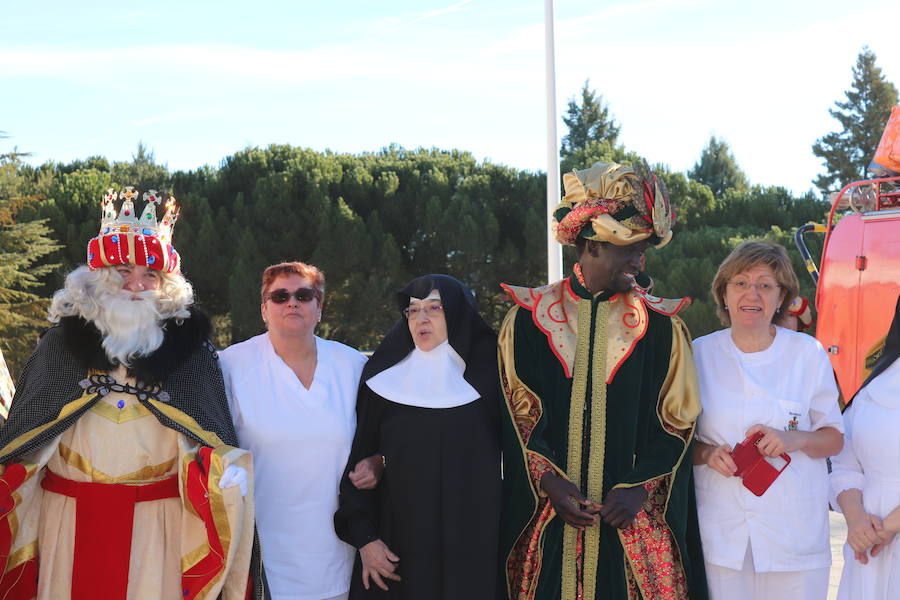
x: 431, y: 407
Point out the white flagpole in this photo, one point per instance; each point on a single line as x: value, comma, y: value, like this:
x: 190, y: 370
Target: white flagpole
x: 554, y: 250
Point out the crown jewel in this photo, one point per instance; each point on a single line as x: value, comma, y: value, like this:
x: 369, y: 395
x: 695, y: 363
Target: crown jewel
x: 126, y: 219
x: 125, y: 238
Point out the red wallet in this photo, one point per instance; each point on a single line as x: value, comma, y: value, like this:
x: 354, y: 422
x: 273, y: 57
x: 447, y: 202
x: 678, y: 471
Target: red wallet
x: 755, y: 470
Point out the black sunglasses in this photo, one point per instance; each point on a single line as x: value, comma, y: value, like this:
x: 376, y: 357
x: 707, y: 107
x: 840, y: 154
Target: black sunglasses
x: 303, y: 294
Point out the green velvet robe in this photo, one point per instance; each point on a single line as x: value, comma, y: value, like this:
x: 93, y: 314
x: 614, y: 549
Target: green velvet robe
x: 635, y: 429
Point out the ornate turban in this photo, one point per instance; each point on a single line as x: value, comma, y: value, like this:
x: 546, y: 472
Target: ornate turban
x: 614, y: 203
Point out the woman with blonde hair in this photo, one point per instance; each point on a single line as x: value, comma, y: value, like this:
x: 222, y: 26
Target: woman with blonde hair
x: 759, y: 378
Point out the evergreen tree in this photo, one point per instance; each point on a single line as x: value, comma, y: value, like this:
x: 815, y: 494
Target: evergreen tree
x: 717, y: 168
x: 848, y: 152
x: 594, y: 151
x: 23, y: 243
x: 589, y: 121
x: 142, y: 172
x: 243, y: 290
x: 693, y: 201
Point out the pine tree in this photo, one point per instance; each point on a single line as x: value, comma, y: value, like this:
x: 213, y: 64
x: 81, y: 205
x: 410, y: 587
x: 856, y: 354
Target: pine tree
x: 142, y: 172
x: 22, y: 245
x: 847, y: 153
x: 589, y: 121
x: 718, y: 169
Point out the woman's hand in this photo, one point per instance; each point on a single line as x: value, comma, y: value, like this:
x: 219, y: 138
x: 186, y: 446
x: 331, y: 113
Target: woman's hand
x: 567, y: 501
x: 863, y: 533
x: 717, y: 458
x: 378, y: 561
x: 775, y: 442
x: 367, y: 472
x: 886, y: 538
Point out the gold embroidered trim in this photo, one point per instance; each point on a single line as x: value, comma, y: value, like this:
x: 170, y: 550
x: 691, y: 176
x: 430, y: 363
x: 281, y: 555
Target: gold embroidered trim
x: 194, y: 556
x: 209, y: 438
x: 218, y: 510
x: 64, y: 412
x: 123, y: 415
x: 681, y: 358
x: 598, y: 447
x: 131, y: 257
x: 142, y: 475
x: 576, y: 431
x: 524, y: 409
x: 22, y: 555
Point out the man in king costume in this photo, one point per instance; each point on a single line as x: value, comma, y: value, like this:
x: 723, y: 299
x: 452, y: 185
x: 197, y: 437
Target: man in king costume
x: 120, y: 473
x: 602, y: 399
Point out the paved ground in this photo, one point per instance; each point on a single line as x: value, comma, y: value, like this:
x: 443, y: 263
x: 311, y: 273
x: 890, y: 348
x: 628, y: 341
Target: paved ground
x: 838, y: 535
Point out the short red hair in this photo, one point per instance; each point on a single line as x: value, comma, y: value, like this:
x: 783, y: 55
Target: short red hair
x: 273, y: 272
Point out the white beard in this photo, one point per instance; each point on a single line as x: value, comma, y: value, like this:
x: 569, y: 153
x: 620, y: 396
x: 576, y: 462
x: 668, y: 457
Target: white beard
x: 130, y: 324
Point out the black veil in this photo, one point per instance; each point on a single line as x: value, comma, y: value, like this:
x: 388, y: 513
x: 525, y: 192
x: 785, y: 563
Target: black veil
x: 890, y: 352
x: 468, y: 333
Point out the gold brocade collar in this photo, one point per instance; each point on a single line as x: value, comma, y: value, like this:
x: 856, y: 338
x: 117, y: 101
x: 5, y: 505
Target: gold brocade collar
x: 554, y: 309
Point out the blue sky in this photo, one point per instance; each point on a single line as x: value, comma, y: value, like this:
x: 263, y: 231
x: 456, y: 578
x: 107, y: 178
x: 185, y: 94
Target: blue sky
x: 197, y: 81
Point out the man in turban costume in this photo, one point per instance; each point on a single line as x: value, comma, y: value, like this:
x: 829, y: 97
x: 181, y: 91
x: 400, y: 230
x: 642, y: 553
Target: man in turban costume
x: 119, y: 468
x: 602, y: 400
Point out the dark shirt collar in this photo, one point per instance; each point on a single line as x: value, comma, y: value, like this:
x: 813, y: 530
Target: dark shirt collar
x: 583, y: 292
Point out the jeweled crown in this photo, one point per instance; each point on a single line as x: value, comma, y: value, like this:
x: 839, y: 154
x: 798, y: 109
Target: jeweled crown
x: 127, y: 220
x: 125, y: 238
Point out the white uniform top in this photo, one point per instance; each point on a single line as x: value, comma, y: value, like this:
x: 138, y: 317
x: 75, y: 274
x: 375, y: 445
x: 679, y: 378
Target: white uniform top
x: 790, y: 385
x: 300, y: 440
x: 870, y: 462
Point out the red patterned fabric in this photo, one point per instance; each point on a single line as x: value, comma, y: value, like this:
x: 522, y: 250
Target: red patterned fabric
x: 651, y: 551
x: 149, y: 251
x: 526, y: 421
x: 538, y: 466
x: 571, y: 225
x: 523, y: 566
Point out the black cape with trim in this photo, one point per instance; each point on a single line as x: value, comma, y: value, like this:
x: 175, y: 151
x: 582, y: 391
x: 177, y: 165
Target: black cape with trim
x: 185, y: 367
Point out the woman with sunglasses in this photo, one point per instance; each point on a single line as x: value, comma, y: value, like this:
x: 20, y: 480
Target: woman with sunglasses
x: 292, y: 396
x: 429, y: 403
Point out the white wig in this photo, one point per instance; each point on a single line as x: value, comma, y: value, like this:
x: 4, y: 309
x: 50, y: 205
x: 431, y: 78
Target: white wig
x: 130, y: 329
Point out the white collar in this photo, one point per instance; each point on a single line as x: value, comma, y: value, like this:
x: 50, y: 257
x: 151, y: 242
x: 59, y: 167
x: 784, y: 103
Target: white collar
x: 432, y: 379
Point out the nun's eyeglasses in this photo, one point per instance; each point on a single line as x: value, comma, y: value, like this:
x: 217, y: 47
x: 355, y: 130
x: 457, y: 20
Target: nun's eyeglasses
x: 430, y: 310
x: 303, y: 294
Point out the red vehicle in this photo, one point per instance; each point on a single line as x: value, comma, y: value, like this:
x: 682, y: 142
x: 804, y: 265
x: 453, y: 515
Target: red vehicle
x: 858, y: 282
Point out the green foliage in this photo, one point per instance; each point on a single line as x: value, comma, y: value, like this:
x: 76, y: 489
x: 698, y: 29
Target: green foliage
x: 588, y: 121
x: 717, y: 169
x: 688, y: 264
x: 848, y: 152
x: 371, y: 222
x: 142, y: 172
x: 693, y: 201
x: 23, y: 243
x: 594, y: 151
